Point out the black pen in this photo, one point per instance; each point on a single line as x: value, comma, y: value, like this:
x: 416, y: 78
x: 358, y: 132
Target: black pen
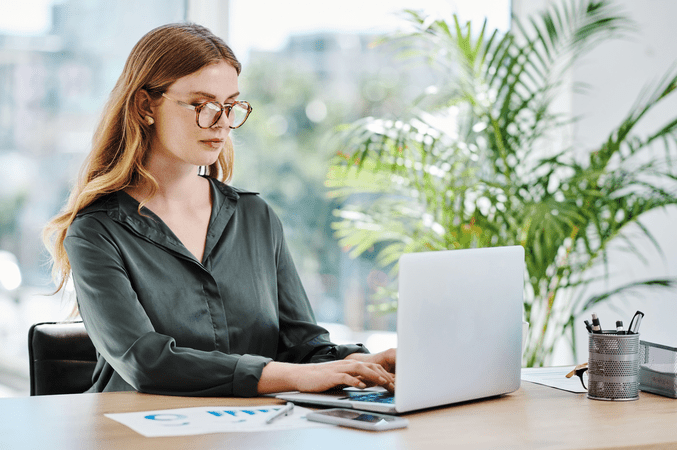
x: 596, y: 327
x: 634, y: 323
x: 588, y: 326
x: 619, y: 327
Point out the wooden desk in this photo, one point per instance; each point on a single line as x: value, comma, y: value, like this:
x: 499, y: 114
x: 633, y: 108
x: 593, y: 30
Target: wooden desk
x: 533, y: 417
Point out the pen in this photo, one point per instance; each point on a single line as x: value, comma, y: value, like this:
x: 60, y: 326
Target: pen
x: 588, y: 326
x: 619, y: 327
x: 288, y: 409
x: 596, y: 327
x: 634, y: 323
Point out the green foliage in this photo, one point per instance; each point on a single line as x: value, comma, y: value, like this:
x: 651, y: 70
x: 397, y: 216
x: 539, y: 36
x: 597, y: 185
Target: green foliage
x: 482, y: 160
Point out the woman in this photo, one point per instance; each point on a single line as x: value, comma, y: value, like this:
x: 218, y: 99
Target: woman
x: 184, y: 283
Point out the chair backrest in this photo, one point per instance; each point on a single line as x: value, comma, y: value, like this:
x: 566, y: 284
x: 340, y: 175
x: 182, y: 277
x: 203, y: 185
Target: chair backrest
x: 61, y: 358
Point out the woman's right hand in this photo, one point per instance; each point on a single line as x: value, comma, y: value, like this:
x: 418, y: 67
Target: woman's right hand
x: 319, y: 377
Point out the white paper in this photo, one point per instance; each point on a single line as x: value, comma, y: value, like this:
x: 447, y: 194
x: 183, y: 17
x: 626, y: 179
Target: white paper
x: 212, y: 419
x: 553, y: 377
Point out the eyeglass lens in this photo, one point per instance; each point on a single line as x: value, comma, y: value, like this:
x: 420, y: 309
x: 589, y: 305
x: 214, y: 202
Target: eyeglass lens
x: 211, y: 112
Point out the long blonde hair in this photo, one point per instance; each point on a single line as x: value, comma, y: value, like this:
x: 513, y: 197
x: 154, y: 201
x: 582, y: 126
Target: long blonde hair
x: 122, y: 139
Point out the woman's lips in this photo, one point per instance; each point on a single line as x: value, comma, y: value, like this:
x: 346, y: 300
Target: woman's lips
x: 213, y: 143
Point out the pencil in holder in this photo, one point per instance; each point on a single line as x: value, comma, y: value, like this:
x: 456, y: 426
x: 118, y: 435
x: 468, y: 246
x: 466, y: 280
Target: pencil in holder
x: 613, y: 366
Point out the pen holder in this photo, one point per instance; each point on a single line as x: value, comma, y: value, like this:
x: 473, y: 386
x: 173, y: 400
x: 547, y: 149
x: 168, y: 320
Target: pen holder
x: 613, y: 366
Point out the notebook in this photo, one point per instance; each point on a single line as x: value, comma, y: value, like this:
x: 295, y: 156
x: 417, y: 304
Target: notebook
x: 459, y: 332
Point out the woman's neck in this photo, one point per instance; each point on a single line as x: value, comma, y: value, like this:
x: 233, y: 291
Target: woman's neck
x: 178, y: 186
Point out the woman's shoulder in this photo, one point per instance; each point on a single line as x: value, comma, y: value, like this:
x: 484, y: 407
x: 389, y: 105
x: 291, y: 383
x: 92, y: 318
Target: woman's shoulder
x: 94, y: 216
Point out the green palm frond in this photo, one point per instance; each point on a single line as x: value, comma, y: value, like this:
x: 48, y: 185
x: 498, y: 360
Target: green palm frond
x: 626, y: 289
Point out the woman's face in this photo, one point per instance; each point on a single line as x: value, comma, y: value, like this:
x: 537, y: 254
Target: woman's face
x: 177, y: 138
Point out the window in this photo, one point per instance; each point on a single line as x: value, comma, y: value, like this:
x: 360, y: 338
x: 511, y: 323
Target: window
x: 308, y: 67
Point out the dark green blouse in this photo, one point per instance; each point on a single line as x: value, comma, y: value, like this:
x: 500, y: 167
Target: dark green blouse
x: 165, y: 323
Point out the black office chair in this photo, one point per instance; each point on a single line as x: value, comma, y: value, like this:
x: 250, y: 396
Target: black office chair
x: 61, y: 358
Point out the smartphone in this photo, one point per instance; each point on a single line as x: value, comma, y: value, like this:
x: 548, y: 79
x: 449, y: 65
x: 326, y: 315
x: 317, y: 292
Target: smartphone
x: 358, y: 419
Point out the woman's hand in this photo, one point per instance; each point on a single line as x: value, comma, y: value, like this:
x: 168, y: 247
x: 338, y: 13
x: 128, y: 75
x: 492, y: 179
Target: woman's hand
x: 385, y: 359
x: 347, y: 372
x: 279, y: 377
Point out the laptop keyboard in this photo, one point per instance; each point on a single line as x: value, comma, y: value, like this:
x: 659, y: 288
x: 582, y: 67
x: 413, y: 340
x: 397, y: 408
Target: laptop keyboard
x: 374, y: 397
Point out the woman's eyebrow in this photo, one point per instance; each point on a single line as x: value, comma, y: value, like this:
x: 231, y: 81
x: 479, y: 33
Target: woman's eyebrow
x: 202, y: 94
x: 210, y: 96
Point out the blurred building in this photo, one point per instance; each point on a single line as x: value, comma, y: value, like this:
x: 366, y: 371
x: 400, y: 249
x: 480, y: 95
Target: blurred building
x: 359, y: 69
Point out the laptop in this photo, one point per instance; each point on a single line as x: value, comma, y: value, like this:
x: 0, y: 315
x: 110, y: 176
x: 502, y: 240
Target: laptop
x: 459, y: 332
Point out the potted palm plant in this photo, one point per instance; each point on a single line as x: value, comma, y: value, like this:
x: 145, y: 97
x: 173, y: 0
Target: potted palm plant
x: 482, y: 160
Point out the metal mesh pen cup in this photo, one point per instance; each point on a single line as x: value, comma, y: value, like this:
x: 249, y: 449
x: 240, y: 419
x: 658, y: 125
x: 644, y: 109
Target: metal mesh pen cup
x: 613, y: 366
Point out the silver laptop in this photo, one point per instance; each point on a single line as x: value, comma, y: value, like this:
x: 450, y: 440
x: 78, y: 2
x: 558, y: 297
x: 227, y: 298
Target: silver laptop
x: 459, y: 332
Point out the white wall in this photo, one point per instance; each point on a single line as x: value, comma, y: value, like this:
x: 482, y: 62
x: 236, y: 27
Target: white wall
x: 213, y: 14
x: 616, y: 72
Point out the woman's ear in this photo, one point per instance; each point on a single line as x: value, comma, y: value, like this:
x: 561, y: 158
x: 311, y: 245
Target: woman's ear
x: 145, y: 106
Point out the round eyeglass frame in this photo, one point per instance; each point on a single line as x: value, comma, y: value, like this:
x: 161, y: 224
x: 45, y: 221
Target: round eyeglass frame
x: 223, y: 107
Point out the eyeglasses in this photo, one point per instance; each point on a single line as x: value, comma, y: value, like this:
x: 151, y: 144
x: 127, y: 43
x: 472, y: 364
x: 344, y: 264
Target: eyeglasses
x: 208, y: 113
x: 581, y: 371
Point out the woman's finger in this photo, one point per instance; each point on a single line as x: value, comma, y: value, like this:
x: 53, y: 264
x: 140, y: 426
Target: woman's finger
x: 350, y: 380
x: 372, y: 374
